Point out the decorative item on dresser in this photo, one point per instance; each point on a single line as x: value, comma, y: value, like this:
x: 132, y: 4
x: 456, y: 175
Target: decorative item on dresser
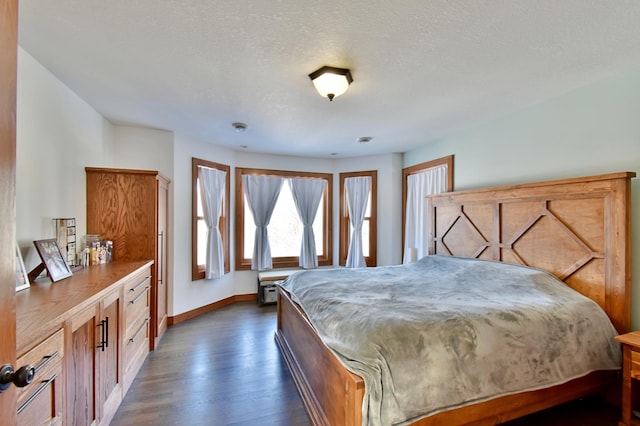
x: 52, y: 260
x: 130, y: 207
x: 22, y: 280
x: 66, y: 237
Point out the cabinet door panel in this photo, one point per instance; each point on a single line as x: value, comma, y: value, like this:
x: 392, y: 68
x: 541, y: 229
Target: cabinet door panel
x: 109, y: 372
x: 81, y: 369
x: 109, y: 356
x: 121, y: 207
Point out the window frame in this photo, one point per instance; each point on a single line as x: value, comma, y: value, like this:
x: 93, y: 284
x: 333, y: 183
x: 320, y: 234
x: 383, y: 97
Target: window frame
x: 411, y: 170
x: 372, y: 259
x: 290, y: 261
x: 198, y: 271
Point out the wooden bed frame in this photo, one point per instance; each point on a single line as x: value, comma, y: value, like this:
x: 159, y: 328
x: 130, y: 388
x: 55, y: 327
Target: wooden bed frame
x: 578, y: 229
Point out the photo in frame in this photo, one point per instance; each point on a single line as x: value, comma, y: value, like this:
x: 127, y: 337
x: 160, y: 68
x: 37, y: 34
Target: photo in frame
x: 53, y: 259
x: 22, y: 280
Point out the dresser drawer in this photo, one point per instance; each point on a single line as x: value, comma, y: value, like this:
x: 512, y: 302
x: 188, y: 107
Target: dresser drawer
x: 136, y: 347
x: 135, y: 306
x: 137, y: 292
x: 137, y: 332
x: 41, y: 401
x: 136, y: 285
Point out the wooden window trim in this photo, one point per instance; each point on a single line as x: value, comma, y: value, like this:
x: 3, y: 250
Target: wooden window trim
x: 292, y: 261
x: 407, y: 171
x: 372, y: 259
x: 197, y: 271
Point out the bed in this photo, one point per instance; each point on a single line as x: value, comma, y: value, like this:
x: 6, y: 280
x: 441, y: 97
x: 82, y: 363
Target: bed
x: 576, y: 229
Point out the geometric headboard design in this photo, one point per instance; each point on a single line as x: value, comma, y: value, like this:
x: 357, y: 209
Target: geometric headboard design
x: 577, y: 229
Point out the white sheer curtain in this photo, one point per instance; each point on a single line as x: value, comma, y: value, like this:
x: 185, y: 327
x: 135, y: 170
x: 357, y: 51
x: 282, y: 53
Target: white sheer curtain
x: 307, y: 194
x: 262, y: 193
x: 212, y: 185
x: 357, y: 189
x: 419, y: 185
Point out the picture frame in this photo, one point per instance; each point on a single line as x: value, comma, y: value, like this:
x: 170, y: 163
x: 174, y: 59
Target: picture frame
x: 53, y: 259
x: 22, y: 280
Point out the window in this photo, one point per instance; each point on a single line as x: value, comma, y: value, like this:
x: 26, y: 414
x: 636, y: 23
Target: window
x: 419, y: 168
x: 369, y: 226
x: 198, y: 227
x: 285, y: 227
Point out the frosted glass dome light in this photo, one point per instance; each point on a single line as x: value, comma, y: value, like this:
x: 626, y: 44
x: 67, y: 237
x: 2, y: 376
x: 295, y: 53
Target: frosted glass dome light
x: 330, y: 81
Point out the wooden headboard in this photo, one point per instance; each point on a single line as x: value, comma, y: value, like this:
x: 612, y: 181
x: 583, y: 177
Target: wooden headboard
x: 578, y: 229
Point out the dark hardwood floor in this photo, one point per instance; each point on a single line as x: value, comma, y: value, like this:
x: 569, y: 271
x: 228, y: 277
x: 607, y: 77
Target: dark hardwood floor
x: 224, y: 368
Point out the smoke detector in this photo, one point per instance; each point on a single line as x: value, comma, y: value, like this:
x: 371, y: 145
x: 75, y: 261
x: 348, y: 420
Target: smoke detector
x: 240, y: 127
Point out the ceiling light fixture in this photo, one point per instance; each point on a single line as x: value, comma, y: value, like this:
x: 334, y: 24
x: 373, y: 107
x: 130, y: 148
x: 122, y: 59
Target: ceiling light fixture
x: 240, y: 127
x: 364, y: 139
x: 330, y: 81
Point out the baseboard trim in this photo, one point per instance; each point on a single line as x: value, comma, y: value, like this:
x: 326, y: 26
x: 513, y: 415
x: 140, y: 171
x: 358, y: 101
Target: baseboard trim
x: 251, y: 297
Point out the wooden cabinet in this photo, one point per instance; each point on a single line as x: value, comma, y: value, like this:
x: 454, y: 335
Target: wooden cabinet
x: 41, y: 401
x: 630, y: 377
x: 94, y: 389
x: 130, y: 207
x: 78, y: 335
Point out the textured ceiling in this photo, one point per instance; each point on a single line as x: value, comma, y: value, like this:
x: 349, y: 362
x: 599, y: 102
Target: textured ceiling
x: 421, y: 68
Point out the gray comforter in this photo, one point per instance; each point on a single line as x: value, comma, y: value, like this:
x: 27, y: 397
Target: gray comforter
x: 444, y: 332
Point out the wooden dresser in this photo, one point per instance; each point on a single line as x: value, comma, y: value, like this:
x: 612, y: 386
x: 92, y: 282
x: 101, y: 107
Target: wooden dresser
x: 86, y: 336
x: 130, y: 208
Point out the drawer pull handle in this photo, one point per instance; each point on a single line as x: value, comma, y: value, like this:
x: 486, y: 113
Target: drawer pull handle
x: 147, y: 278
x: 45, y: 361
x: 146, y: 290
x: 104, y: 334
x: 37, y: 393
x: 135, y: 336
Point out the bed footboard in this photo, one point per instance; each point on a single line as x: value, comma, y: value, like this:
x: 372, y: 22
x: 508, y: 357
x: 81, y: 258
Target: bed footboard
x: 331, y: 394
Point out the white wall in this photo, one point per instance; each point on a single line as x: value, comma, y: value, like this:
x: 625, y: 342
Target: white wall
x: 186, y: 295
x: 389, y: 229
x: 250, y: 159
x: 589, y: 131
x: 143, y: 148
x: 58, y: 134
